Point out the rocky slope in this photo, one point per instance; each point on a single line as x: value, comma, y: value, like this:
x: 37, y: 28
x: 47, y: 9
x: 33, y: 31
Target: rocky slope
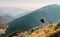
x: 3, y: 28
x: 52, y: 30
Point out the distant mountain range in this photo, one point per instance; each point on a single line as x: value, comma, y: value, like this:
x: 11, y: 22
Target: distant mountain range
x: 6, y: 19
x: 51, y: 13
x: 8, y: 14
x: 11, y: 11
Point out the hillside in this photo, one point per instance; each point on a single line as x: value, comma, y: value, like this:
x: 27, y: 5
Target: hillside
x: 51, y: 13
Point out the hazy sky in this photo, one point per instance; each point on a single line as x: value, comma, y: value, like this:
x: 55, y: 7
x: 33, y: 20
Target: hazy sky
x: 27, y: 4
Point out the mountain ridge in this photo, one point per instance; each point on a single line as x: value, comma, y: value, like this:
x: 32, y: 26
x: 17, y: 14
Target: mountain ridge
x: 31, y: 20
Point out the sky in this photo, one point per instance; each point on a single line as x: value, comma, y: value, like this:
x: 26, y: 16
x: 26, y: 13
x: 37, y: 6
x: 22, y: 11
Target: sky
x: 27, y: 4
